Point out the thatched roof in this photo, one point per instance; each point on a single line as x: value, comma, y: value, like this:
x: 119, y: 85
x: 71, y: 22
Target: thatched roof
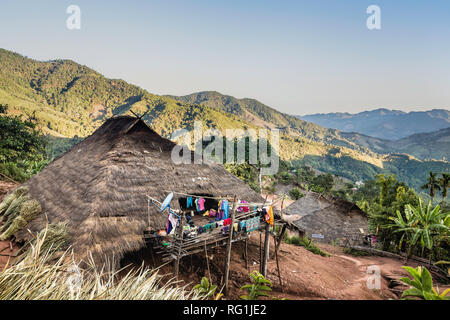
x: 99, y: 187
x: 334, y: 218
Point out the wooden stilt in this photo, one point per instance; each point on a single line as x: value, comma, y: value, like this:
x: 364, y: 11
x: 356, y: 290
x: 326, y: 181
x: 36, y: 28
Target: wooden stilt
x: 207, y: 264
x: 180, y: 240
x: 246, y: 254
x: 230, y: 240
x: 280, y: 237
x: 278, y: 264
x: 266, y: 250
x: 260, y: 252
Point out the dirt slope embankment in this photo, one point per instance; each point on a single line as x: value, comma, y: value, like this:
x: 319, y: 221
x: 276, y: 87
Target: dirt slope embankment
x: 304, y: 275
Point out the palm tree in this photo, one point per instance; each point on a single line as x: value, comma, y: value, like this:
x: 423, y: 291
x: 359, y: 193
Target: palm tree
x: 432, y: 184
x: 444, y: 183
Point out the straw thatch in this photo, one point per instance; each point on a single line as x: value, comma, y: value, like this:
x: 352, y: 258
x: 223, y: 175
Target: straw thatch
x: 335, y: 219
x: 99, y: 188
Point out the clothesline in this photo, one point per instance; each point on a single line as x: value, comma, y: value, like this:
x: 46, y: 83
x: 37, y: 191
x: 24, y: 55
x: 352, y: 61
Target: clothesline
x: 230, y: 199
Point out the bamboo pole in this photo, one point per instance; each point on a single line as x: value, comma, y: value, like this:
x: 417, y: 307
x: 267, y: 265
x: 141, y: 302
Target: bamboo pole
x: 180, y: 244
x: 246, y: 254
x: 278, y: 266
x: 230, y: 241
x: 207, y: 263
x: 260, y: 252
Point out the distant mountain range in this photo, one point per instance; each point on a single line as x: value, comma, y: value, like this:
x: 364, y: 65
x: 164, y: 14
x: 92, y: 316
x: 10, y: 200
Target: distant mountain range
x: 384, y: 123
x: 71, y: 100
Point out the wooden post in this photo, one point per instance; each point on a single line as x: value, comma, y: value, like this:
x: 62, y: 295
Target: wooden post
x: 207, y: 263
x: 266, y: 250
x: 246, y: 254
x: 230, y: 240
x: 278, y: 265
x: 260, y: 252
x: 280, y: 237
x: 180, y: 243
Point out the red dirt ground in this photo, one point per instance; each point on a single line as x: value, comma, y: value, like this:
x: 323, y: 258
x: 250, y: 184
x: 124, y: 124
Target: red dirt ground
x: 304, y: 275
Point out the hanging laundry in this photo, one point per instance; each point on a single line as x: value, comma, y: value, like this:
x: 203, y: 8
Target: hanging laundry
x: 201, y: 204
x: 225, y: 207
x: 243, y: 209
x: 196, y: 204
x: 242, y: 226
x: 189, y: 203
x: 172, y: 223
x: 269, y: 215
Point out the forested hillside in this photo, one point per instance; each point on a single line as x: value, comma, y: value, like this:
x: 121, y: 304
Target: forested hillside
x: 70, y: 100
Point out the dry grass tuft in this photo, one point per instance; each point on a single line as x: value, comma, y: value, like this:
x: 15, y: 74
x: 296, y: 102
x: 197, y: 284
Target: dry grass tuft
x: 40, y: 275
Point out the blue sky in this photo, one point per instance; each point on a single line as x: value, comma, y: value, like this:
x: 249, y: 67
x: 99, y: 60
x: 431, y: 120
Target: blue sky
x: 299, y: 57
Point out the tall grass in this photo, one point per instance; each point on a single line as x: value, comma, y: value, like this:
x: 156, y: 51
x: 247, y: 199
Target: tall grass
x: 42, y: 273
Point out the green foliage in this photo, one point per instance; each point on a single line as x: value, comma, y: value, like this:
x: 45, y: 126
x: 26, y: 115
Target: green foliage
x: 432, y: 184
x: 295, y: 193
x: 422, y: 225
x: 19, y: 139
x: 393, y: 196
x: 305, y: 175
x: 259, y: 287
x: 422, y: 285
x: 444, y: 184
x: 307, y: 243
x: 205, y: 289
x: 246, y: 173
x: 324, y: 182
x: 70, y: 101
x: 356, y: 252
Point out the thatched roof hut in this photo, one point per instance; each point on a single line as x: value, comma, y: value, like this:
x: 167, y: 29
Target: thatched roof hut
x: 334, y: 219
x: 100, y: 187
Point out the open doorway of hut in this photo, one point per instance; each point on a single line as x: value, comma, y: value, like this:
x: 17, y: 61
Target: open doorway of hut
x: 199, y: 208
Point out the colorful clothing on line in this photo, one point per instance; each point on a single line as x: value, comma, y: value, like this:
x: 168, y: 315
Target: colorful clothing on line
x: 172, y: 223
x: 189, y: 202
x: 201, y: 204
x: 269, y: 215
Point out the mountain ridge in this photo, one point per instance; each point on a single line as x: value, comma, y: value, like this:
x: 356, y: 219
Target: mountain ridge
x: 71, y: 100
x: 384, y: 123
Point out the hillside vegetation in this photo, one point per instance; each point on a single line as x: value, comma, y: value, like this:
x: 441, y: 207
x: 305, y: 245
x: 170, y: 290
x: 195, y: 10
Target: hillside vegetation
x: 70, y: 101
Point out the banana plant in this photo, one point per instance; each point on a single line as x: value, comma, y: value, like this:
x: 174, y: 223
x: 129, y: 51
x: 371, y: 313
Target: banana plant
x: 259, y: 287
x: 422, y: 285
x: 425, y: 225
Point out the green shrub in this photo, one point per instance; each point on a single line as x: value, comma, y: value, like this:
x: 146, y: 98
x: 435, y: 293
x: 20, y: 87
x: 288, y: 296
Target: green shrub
x: 259, y: 287
x: 295, y: 193
x: 307, y: 243
x: 204, y: 288
x: 356, y: 253
x: 422, y: 285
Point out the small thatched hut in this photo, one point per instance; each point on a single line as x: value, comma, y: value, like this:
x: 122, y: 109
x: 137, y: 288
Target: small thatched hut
x: 327, y: 219
x: 100, y: 187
